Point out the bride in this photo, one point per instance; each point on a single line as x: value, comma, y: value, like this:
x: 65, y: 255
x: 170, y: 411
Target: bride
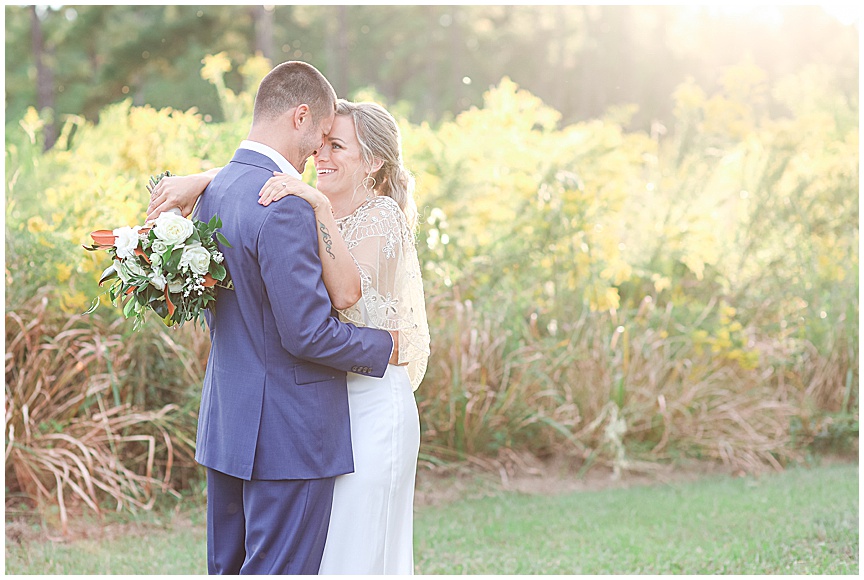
x: 372, y: 275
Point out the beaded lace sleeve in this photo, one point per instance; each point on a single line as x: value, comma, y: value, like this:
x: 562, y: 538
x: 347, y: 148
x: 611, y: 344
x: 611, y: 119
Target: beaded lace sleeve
x: 383, y: 246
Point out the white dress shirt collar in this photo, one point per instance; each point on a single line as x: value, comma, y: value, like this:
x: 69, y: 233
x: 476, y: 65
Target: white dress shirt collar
x: 274, y: 155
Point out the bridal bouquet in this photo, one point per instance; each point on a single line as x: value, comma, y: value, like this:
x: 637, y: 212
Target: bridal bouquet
x: 170, y: 265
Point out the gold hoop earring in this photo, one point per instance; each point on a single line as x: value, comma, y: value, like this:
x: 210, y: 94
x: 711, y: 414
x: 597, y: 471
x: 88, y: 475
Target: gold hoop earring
x: 366, y: 184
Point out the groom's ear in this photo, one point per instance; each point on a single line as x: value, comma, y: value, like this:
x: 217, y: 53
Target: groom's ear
x: 300, y: 116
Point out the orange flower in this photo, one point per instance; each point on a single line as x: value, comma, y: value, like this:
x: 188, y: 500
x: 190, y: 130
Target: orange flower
x: 171, y: 307
x: 141, y: 252
x: 103, y: 238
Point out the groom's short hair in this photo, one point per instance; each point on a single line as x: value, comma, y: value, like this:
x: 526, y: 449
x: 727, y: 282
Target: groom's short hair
x: 291, y: 84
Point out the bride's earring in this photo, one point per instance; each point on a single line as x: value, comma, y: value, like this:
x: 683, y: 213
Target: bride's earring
x: 370, y: 188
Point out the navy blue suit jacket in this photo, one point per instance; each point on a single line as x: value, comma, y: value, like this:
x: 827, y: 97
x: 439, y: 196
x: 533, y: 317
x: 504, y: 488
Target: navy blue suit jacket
x: 274, y: 403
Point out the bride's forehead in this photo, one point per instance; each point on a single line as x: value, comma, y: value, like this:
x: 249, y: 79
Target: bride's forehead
x: 343, y: 128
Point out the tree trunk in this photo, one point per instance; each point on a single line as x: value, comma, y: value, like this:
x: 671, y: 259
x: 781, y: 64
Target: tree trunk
x: 263, y: 19
x: 342, y: 35
x: 430, y: 97
x: 561, y: 86
x: 138, y: 91
x: 44, y: 77
x: 457, y: 56
x: 336, y: 48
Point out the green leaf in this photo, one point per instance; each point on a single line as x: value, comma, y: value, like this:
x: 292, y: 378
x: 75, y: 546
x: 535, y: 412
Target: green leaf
x: 110, y: 272
x: 173, y: 262
x: 150, y: 293
x: 160, y: 308
x: 217, y: 271
x: 93, y: 306
x: 129, y: 308
x: 223, y: 240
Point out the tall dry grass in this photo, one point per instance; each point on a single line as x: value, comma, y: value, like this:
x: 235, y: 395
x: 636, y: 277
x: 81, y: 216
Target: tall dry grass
x: 619, y: 392
x: 69, y: 434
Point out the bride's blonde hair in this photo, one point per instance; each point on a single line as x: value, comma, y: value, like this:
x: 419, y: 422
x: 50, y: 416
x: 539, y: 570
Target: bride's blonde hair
x: 379, y: 137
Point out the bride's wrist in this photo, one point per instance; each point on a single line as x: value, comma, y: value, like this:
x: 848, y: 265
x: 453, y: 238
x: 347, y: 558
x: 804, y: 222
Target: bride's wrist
x: 323, y: 206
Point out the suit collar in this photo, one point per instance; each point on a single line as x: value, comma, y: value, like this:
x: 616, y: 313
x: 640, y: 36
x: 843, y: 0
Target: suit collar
x: 284, y: 165
x: 249, y: 157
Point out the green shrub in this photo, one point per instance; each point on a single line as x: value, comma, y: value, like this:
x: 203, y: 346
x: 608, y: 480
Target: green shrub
x: 609, y: 295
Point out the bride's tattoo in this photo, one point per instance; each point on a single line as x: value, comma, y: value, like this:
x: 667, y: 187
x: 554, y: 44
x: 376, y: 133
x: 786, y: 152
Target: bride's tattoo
x: 328, y: 242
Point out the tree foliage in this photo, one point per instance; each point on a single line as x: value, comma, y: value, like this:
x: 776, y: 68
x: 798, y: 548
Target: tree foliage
x: 437, y: 60
x: 590, y: 287
x: 597, y: 287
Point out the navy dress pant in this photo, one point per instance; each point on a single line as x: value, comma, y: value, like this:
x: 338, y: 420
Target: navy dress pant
x: 266, y: 526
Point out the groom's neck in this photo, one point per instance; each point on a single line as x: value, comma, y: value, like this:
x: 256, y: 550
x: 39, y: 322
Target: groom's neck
x: 280, y: 142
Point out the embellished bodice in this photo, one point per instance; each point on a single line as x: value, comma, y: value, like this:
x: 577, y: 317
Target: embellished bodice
x: 383, y: 247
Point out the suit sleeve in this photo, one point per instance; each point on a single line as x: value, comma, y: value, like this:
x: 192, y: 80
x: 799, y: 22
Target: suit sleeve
x: 291, y: 270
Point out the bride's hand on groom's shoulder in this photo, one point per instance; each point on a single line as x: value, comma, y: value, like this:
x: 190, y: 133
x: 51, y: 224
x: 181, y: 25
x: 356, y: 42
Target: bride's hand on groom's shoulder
x: 177, y: 191
x: 281, y: 185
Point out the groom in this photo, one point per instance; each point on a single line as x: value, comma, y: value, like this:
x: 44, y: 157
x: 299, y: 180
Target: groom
x: 273, y: 429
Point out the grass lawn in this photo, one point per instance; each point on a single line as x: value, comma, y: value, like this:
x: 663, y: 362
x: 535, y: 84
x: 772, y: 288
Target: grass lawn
x: 166, y: 543
x: 803, y: 521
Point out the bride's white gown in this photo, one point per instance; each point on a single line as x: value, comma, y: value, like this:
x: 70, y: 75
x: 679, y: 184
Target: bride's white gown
x: 371, y: 524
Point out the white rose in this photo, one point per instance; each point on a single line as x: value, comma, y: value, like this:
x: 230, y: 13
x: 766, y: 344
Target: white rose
x: 158, y: 280
x: 175, y: 285
x: 158, y: 246
x: 126, y: 241
x: 134, y: 267
x: 172, y: 228
x: 197, y: 258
